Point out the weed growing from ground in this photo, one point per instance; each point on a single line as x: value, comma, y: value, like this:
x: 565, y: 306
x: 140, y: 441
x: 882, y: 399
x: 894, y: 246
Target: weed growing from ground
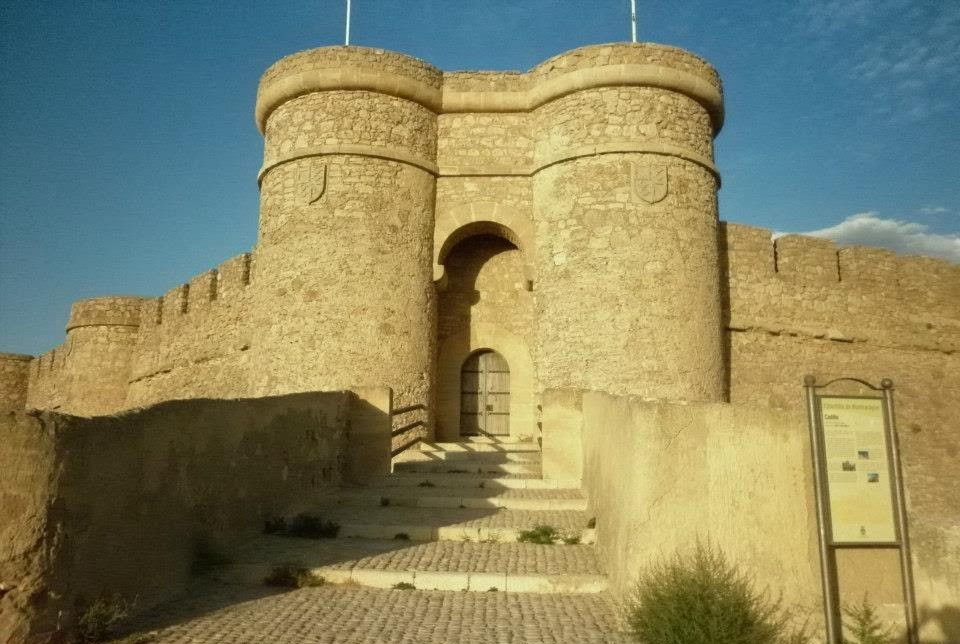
x: 384, y: 501
x: 404, y: 586
x: 701, y: 598
x: 592, y: 523
x: 95, y: 623
x: 402, y: 536
x: 426, y: 484
x: 291, y: 575
x: 542, y: 534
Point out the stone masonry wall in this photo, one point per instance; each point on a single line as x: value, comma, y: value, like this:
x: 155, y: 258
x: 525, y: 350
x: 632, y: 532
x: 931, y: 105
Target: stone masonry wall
x: 14, y: 380
x: 661, y: 476
x: 131, y: 503
x: 195, y: 341
x: 89, y: 373
x: 344, y: 256
x: 629, y: 278
x: 802, y: 306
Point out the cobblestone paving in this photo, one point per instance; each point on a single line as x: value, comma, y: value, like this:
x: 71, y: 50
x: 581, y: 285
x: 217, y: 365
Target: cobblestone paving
x: 564, y: 520
x: 435, y: 556
x: 349, y: 614
x: 345, y: 615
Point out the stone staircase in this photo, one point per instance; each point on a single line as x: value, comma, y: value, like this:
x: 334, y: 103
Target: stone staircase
x: 447, y: 520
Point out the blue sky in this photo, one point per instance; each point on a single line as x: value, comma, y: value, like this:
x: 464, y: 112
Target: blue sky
x: 128, y: 152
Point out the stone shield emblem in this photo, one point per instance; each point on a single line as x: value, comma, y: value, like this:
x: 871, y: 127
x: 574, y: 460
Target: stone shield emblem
x: 649, y: 181
x: 311, y: 184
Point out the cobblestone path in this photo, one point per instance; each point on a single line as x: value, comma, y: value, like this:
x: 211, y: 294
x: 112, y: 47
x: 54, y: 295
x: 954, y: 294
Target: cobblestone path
x: 488, y: 592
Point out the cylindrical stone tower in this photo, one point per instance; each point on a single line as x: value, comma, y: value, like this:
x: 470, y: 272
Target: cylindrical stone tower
x: 625, y: 211
x: 343, y: 265
x: 101, y: 336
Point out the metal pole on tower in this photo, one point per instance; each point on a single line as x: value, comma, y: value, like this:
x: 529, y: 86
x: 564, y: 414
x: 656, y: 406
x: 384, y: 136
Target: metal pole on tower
x: 347, y: 38
x: 633, y: 20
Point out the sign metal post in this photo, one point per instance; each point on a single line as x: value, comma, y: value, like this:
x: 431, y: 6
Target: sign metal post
x: 858, y: 485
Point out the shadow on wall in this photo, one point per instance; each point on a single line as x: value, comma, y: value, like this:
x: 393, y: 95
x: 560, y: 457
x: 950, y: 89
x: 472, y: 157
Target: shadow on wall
x: 947, y: 618
x: 135, y: 503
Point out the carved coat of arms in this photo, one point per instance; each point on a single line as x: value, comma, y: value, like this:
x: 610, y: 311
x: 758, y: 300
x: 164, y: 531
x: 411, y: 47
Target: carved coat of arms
x: 649, y: 181
x: 311, y: 184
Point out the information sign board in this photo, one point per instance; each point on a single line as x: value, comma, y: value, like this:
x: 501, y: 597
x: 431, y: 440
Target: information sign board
x: 858, y: 472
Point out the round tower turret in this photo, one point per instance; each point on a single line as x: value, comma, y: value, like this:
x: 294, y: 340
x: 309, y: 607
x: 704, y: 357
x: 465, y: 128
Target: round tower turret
x: 625, y: 214
x: 101, y: 336
x: 344, y: 256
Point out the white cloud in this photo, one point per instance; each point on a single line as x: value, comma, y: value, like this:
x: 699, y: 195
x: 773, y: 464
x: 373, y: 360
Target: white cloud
x: 934, y: 210
x: 909, y: 238
x: 905, y: 55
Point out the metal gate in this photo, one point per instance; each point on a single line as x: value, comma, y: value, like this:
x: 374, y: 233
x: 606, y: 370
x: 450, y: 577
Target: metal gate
x: 485, y: 395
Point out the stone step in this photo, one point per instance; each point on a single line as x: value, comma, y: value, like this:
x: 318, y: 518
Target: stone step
x: 479, y: 458
x: 510, y: 567
x: 454, y: 524
x: 465, y: 497
x: 467, y: 467
x: 478, y: 447
x: 493, y: 440
x: 491, y: 481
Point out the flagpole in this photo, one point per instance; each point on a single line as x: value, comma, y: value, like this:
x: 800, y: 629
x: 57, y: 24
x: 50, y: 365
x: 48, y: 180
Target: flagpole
x: 633, y: 19
x: 347, y: 38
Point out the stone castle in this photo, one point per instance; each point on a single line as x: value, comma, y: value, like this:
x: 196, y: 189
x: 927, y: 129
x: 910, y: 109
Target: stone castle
x: 499, y: 250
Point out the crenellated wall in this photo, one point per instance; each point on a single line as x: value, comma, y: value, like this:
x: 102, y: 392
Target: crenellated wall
x: 194, y: 342
x: 800, y: 306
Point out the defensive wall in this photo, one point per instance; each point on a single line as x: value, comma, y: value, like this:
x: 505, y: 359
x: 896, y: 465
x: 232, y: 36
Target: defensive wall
x: 566, y: 218
x: 138, y: 503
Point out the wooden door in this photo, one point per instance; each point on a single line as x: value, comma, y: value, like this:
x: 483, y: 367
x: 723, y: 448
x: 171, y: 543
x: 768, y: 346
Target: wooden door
x: 485, y: 395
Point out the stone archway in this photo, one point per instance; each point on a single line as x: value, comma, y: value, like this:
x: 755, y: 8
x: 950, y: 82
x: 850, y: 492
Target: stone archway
x: 456, y: 224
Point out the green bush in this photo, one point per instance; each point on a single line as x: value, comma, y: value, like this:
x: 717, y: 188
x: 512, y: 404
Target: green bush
x: 95, y: 623
x: 864, y: 626
x: 542, y: 534
x: 700, y: 598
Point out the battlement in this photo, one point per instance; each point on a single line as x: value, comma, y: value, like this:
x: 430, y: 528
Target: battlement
x: 812, y: 261
x: 223, y: 283
x: 809, y: 287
